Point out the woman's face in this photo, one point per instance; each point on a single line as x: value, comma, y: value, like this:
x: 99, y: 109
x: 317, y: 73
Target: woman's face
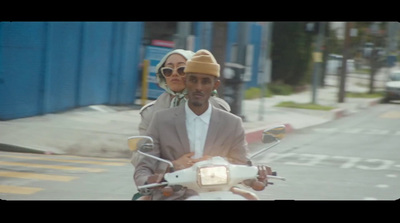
x: 174, y: 76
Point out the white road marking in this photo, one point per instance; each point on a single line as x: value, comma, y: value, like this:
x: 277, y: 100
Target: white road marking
x: 308, y: 159
x: 358, y: 131
x: 351, y: 161
x: 382, y: 164
x: 344, y: 162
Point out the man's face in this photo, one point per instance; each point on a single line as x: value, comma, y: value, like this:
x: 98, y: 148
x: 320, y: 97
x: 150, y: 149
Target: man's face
x: 199, y: 88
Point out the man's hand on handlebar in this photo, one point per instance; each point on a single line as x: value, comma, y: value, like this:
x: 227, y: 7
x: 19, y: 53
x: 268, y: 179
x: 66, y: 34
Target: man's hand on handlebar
x: 155, y: 178
x: 262, y: 179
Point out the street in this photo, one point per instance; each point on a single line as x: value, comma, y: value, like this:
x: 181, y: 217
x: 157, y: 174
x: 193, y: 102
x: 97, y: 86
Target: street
x: 25, y: 176
x: 353, y: 158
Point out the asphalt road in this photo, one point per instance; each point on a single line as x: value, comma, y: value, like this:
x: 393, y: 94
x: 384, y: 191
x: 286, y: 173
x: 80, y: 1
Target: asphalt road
x: 25, y: 176
x: 353, y: 158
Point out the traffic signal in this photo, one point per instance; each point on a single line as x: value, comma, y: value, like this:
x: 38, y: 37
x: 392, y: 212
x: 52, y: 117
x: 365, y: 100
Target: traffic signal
x: 312, y: 27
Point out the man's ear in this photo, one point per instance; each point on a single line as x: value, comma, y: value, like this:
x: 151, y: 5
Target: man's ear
x: 216, y: 84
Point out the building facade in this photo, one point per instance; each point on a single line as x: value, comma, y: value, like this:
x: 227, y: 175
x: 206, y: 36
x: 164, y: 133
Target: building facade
x: 48, y: 67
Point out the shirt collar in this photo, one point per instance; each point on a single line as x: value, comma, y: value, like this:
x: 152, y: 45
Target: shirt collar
x: 205, y: 117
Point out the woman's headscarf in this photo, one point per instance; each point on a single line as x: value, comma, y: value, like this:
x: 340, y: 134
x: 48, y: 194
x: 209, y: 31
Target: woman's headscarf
x: 187, y: 54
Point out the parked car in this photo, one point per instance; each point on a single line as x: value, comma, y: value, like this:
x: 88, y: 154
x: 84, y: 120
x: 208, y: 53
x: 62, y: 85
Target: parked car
x: 368, y: 47
x: 392, y: 90
x: 334, y: 64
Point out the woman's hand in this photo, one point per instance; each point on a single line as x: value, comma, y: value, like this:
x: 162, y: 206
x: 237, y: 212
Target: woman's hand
x: 186, y: 161
x: 206, y: 157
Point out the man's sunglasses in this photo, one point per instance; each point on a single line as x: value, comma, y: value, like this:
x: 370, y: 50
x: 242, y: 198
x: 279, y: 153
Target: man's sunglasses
x: 167, y: 71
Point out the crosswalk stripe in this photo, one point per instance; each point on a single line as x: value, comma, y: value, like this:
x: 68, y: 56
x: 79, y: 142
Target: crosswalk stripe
x: 67, y: 160
x: 37, y: 176
x: 391, y: 114
x: 59, y: 167
x: 124, y: 160
x: 18, y: 190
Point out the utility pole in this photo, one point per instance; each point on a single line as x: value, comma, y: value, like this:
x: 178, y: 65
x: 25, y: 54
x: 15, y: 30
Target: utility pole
x: 220, y: 30
x: 317, y: 57
x: 243, y: 35
x: 183, y: 31
x: 265, y: 61
x: 373, y: 59
x: 343, y: 72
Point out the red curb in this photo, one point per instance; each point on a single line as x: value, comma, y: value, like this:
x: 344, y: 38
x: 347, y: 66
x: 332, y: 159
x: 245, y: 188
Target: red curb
x: 289, y: 128
x: 375, y: 102
x: 256, y: 136
x: 338, y: 113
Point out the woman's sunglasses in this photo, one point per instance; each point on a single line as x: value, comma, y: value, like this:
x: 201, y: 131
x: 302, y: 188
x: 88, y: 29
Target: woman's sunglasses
x: 167, y: 71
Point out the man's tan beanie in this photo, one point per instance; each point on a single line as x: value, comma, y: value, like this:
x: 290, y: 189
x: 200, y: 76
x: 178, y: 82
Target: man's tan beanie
x: 203, y: 62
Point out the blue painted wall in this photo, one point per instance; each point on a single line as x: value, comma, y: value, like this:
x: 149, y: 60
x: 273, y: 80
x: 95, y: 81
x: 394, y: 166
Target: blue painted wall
x: 254, y: 38
x: 54, y: 66
x: 21, y: 68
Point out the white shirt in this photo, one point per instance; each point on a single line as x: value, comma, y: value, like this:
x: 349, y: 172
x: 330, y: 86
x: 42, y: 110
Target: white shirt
x: 197, y: 127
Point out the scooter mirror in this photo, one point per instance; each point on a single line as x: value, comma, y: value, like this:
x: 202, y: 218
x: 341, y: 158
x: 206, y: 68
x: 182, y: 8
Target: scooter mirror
x: 143, y: 145
x: 273, y: 134
x: 136, y: 142
x: 270, y: 135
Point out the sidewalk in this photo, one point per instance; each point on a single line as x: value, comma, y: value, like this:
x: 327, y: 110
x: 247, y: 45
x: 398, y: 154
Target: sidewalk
x: 102, y: 131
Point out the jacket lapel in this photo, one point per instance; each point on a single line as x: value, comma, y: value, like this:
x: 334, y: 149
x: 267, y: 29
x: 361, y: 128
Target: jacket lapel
x: 180, y: 126
x: 213, y: 130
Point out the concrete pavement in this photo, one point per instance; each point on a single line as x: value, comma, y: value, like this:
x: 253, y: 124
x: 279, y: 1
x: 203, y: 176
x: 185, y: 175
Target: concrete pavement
x: 102, y: 131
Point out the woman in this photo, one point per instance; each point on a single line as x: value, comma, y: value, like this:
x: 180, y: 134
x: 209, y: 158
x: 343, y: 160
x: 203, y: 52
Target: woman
x: 170, y: 76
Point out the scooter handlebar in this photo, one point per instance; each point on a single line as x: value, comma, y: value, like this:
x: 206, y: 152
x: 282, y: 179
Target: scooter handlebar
x: 153, y: 185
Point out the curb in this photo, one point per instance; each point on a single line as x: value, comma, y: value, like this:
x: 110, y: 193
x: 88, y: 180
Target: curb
x: 256, y: 135
x: 20, y: 149
x: 253, y: 136
x: 376, y: 101
x: 341, y: 112
x: 338, y: 113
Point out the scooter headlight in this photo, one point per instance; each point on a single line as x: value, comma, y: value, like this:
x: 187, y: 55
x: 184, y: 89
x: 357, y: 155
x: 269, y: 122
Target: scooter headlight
x: 212, y: 175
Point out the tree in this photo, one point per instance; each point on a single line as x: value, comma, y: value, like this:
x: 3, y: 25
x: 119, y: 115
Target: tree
x: 220, y: 30
x: 291, y: 53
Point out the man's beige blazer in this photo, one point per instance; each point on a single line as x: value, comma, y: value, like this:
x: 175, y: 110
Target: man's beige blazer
x: 225, y: 137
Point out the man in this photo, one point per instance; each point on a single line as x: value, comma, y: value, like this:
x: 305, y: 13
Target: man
x: 194, y: 132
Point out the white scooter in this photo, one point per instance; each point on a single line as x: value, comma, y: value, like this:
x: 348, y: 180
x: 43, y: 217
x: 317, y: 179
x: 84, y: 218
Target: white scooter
x: 215, y: 178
